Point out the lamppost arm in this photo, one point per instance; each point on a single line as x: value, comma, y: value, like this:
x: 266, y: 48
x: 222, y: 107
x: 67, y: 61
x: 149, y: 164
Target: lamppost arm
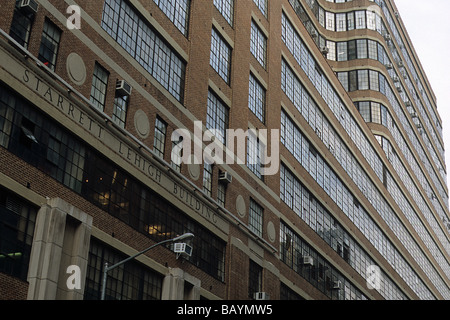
x: 107, y: 269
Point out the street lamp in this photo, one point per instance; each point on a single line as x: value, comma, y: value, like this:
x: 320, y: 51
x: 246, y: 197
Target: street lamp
x: 107, y: 269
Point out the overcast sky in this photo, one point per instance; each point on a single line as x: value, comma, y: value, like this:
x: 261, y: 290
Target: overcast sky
x: 428, y: 26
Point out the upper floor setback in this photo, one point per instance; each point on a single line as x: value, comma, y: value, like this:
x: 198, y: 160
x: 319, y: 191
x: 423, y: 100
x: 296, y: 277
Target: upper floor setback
x: 328, y: 25
x: 431, y: 128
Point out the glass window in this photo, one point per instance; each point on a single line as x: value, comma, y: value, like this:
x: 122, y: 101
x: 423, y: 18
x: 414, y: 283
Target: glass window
x: 288, y: 294
x: 257, y: 98
x: 350, y: 20
x: 254, y: 153
x: 329, y: 16
x: 352, y: 80
x: 160, y: 137
x: 331, y: 45
x: 258, y: 44
x: 17, y: 221
x: 48, y: 50
x: 207, y: 178
x: 220, y: 57
x: 380, y: 53
x: 128, y: 27
x: 352, y: 50
x: 363, y: 80
x: 21, y: 26
x: 341, y: 22
x: 40, y: 142
x: 342, y: 51
x: 177, y: 11
x: 6, y: 117
x: 374, y: 81
x: 262, y: 6
x: 382, y: 83
x: 177, y: 152
x: 130, y: 281
x: 371, y: 21
x: 255, y: 218
x: 343, y: 78
x: 99, y: 87
x: 384, y: 116
x: 120, y: 110
x: 321, y: 16
x: 217, y: 115
x: 361, y: 48
x: 75, y: 162
x: 226, y: 8
x: 254, y: 279
x: 376, y: 113
x: 141, y: 41
x: 105, y: 185
x: 221, y: 193
x: 310, y: 265
x: 364, y: 110
x: 373, y: 50
x: 360, y: 19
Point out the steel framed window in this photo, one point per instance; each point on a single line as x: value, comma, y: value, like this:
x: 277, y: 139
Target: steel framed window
x: 217, y: 117
x: 48, y: 51
x: 258, y: 44
x: 160, y: 137
x: 177, y: 11
x: 143, y: 43
x: 99, y: 87
x: 21, y: 26
x: 130, y: 281
x: 257, y: 98
x: 220, y: 57
x: 226, y: 8
x: 255, y: 218
x: 262, y: 6
x: 119, y: 115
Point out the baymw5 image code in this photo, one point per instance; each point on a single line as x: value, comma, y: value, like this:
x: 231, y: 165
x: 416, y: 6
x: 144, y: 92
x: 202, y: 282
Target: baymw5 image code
x: 222, y: 155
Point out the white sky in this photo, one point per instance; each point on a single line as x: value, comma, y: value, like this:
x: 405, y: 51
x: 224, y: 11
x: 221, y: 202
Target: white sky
x: 428, y: 26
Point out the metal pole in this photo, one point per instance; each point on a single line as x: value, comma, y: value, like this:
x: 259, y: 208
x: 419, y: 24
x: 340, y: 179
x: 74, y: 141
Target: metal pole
x: 105, y: 275
x: 107, y: 269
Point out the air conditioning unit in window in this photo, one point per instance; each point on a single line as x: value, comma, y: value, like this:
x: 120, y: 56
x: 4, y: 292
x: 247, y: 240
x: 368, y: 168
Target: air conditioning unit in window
x: 307, y: 260
x: 389, y: 66
x: 225, y: 177
x: 261, y: 296
x: 324, y: 50
x: 29, y: 6
x: 182, y: 248
x: 387, y: 37
x: 408, y: 103
x: 337, y: 285
x: 396, y: 79
x: 123, y: 88
x: 400, y: 64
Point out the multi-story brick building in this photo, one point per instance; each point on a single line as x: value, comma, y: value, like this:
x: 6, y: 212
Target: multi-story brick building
x: 343, y: 197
